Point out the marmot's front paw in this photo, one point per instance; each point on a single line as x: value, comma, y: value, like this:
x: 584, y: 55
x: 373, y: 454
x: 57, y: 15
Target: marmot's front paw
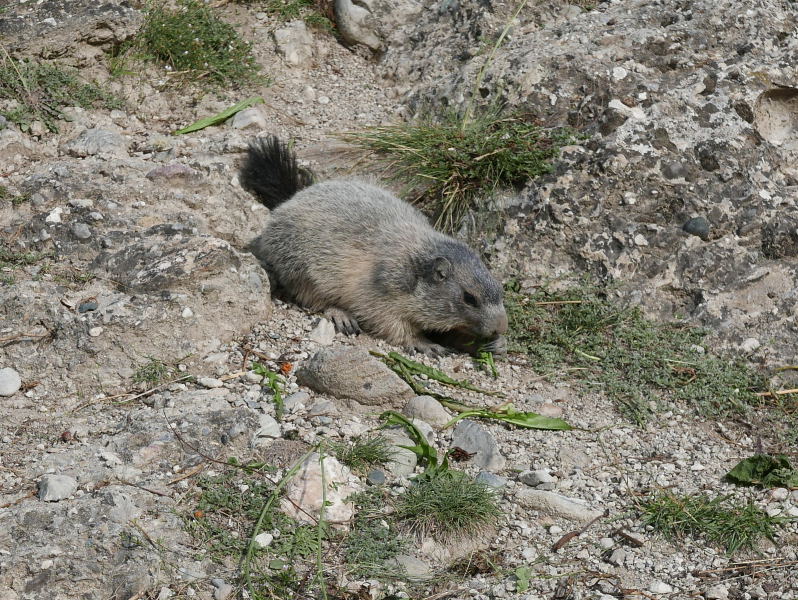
x: 428, y: 348
x: 343, y: 321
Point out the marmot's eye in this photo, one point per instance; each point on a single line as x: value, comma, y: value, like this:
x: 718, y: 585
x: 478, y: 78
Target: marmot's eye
x: 470, y: 300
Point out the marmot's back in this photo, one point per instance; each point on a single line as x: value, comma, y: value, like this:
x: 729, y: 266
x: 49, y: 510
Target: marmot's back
x: 348, y: 245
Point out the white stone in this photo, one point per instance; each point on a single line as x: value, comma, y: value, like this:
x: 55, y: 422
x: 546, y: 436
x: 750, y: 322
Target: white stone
x: 659, y: 587
x: 10, y: 382
x: 749, y: 345
x: 305, y: 494
x: 54, y: 216
x: 53, y: 488
x: 210, y: 382
x: 95, y: 331
x: 717, y: 592
x: 323, y: 333
x: 187, y: 313
x: 697, y: 467
x: 619, y: 73
x: 269, y: 428
x: 641, y: 240
x: 264, y: 539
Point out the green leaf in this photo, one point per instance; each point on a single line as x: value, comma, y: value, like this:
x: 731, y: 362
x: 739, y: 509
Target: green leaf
x: 764, y: 470
x: 221, y: 117
x: 427, y: 455
x: 407, y: 368
x: 509, y: 414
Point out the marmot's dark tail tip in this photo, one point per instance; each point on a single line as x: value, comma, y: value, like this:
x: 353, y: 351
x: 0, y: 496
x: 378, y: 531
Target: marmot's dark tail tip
x: 271, y: 172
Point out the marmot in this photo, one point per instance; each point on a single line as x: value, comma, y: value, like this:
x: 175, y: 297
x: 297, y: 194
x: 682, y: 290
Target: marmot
x: 368, y: 259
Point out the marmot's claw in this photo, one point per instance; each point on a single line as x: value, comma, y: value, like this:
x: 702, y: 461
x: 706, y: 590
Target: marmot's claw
x: 429, y: 348
x: 343, y: 321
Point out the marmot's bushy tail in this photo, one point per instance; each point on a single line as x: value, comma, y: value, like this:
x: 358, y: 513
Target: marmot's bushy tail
x: 271, y: 172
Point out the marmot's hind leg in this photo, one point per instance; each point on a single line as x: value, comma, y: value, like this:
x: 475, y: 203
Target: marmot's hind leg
x: 343, y: 321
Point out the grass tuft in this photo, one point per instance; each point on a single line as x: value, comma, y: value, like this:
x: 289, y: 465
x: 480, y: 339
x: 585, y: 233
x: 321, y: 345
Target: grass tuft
x: 374, y: 539
x: 315, y: 13
x: 448, y: 505
x: 362, y: 453
x: 152, y: 372
x: 193, y: 39
x: 40, y: 91
x: 448, y: 166
x: 637, y: 362
x: 730, y: 526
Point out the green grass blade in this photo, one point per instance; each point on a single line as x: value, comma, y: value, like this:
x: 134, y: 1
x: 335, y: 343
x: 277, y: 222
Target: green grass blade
x: 221, y: 117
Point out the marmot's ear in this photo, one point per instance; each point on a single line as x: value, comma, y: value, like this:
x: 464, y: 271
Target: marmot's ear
x: 441, y: 268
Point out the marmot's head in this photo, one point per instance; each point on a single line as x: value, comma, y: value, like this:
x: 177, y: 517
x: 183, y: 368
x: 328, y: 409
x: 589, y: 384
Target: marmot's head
x: 455, y: 293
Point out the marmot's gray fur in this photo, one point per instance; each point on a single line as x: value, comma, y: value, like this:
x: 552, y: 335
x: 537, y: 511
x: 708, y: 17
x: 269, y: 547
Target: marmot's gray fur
x: 368, y: 259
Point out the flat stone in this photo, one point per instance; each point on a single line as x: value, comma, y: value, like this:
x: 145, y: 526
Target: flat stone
x: 660, y: 587
x: 10, y: 382
x: 497, y: 482
x: 474, y: 438
x: 174, y: 172
x: 375, y: 477
x: 249, y: 118
x: 353, y: 373
x: 210, y: 382
x: 268, y: 429
x: 323, y: 333
x: 53, y: 488
x: 403, y: 461
x: 97, y: 142
x: 81, y: 231
x: 698, y: 226
x: 427, y: 409
x: 536, y: 478
x: 264, y: 539
x: 557, y: 505
x: 413, y: 568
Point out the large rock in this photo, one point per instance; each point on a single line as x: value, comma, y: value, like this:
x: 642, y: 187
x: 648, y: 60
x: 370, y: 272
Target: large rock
x: 353, y: 373
x: 309, y: 490
x: 474, y: 438
x: 672, y: 136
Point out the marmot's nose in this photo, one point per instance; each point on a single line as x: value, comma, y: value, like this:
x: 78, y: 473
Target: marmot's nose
x: 501, y: 323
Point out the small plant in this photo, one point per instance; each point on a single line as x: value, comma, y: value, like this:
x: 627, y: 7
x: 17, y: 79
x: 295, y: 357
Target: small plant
x: 42, y: 90
x: 731, y: 526
x: 9, y: 258
x: 152, y: 372
x: 192, y: 38
x: 315, y: 13
x: 447, y: 505
x: 449, y: 165
x: 363, y: 453
x: 373, y: 539
x: 276, y: 384
x: 634, y: 360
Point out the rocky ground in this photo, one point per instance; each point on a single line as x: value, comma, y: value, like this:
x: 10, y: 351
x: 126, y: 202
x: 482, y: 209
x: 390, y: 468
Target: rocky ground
x: 682, y: 191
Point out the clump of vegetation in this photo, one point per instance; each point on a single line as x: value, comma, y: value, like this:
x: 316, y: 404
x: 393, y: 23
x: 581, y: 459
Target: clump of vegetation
x: 373, y: 539
x: 448, y: 165
x: 40, y: 91
x: 362, y: 453
x: 720, y: 521
x: 10, y: 258
x: 448, y: 504
x: 152, y: 372
x: 634, y: 360
x: 192, y: 38
x: 315, y: 13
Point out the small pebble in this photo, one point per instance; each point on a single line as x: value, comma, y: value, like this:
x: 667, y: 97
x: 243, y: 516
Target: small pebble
x: 95, y: 331
x: 698, y: 226
x: 81, y: 231
x: 10, y: 382
x: 375, y: 477
x: 87, y: 306
x: 210, y: 382
x: 660, y: 587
